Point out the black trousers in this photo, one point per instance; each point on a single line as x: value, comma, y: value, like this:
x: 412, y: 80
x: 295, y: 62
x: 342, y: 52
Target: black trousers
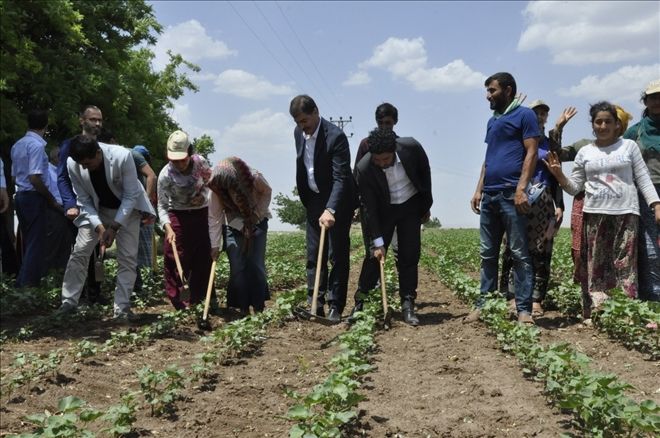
x: 336, y: 252
x: 405, y: 218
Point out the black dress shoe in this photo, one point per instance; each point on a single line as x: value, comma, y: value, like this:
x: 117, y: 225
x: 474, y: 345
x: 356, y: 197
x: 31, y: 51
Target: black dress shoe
x: 409, y: 317
x: 319, y: 311
x: 334, y: 315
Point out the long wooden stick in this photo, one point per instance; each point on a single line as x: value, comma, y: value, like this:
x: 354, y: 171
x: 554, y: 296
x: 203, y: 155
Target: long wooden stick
x: 317, y: 277
x: 185, y: 295
x: 383, y: 288
x: 209, y: 288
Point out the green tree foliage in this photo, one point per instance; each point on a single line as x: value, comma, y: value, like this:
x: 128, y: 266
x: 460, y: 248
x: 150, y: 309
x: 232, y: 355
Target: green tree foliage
x: 433, y: 223
x: 204, y: 146
x: 290, y: 211
x: 64, y: 54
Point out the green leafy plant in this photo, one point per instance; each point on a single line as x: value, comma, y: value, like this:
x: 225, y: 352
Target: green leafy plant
x: 597, y: 401
x: 331, y: 404
x: 121, y: 417
x: 161, y: 388
x: 28, y: 368
x: 71, y: 411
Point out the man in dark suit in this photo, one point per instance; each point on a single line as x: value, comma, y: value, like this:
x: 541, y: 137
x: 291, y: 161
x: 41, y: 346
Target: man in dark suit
x: 394, y: 180
x: 327, y: 191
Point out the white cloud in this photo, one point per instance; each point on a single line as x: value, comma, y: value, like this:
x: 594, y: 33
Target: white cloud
x: 399, y: 56
x: 622, y: 85
x: 202, y: 76
x: 190, y: 40
x: 183, y: 116
x: 261, y: 133
x: 582, y: 33
x: 407, y: 59
x: 264, y: 140
x: 455, y: 75
x: 357, y: 78
x: 243, y: 84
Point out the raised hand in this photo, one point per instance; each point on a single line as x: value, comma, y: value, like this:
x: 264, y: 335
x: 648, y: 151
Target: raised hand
x: 565, y: 116
x: 553, y: 164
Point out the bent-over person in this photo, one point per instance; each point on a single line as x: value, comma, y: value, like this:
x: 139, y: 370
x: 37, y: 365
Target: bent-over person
x: 238, y: 209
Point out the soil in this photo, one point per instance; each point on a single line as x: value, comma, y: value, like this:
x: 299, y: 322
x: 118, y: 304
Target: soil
x: 441, y: 379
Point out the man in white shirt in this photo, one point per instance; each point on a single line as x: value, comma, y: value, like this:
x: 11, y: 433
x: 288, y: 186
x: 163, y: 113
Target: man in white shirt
x: 394, y: 180
x: 327, y: 191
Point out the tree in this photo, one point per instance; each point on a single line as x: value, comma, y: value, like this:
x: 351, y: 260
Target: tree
x: 203, y: 146
x: 63, y: 54
x: 433, y: 223
x: 290, y: 211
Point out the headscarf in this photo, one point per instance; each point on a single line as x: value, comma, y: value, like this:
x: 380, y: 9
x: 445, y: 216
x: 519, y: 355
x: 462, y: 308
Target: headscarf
x: 232, y: 180
x: 624, y: 117
x: 515, y: 103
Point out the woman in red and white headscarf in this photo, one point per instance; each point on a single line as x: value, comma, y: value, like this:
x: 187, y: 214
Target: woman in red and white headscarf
x: 238, y: 208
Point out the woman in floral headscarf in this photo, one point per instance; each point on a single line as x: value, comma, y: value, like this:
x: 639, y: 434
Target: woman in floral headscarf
x: 238, y: 206
x: 183, y: 212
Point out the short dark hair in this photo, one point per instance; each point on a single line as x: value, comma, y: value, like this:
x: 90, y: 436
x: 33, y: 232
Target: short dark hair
x: 87, y: 107
x: 505, y: 80
x: 387, y: 109
x: 106, y: 136
x: 83, y: 147
x: 37, y: 119
x: 605, y: 106
x: 381, y: 141
x: 302, y: 104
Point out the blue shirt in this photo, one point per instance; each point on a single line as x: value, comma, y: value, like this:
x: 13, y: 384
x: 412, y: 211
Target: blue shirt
x: 52, y: 183
x: 63, y: 181
x: 3, y: 182
x: 505, y: 152
x: 541, y: 173
x: 28, y: 157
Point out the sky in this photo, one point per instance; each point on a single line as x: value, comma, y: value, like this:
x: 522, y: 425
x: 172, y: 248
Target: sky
x: 429, y: 59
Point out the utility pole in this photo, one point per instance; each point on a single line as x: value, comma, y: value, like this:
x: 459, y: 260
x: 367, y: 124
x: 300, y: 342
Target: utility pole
x: 342, y: 122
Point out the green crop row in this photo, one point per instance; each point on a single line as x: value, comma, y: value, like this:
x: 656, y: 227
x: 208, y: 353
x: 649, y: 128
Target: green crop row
x: 596, y: 400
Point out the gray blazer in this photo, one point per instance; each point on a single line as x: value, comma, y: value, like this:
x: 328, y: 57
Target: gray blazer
x: 122, y: 179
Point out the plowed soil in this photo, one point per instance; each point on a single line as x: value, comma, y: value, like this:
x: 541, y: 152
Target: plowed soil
x: 441, y: 379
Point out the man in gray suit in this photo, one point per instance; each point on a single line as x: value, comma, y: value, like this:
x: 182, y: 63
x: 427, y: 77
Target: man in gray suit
x: 111, y: 202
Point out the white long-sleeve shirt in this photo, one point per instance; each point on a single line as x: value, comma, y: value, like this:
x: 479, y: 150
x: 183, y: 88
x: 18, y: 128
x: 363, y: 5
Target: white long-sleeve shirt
x: 610, y: 177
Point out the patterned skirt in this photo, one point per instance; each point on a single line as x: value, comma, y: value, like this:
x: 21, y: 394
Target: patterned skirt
x: 576, y: 236
x: 609, y: 255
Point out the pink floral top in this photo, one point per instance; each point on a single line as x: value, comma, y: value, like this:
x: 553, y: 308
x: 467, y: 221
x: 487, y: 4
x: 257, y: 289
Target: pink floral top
x: 177, y: 191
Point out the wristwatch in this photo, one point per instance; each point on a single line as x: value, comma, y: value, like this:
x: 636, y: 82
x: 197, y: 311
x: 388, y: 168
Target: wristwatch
x: 331, y: 210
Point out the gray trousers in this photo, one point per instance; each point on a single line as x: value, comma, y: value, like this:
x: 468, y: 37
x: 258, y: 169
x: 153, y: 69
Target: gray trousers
x: 127, y: 249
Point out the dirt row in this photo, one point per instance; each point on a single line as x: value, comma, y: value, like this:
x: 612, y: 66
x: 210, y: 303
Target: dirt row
x: 443, y: 378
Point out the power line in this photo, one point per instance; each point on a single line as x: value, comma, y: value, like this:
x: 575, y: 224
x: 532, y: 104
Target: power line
x: 307, y: 54
x: 342, y: 122
x: 262, y: 43
x: 295, y: 59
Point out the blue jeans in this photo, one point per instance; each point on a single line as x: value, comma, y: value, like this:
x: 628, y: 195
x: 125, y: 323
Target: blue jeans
x: 499, y: 215
x: 248, y: 285
x: 648, y: 264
